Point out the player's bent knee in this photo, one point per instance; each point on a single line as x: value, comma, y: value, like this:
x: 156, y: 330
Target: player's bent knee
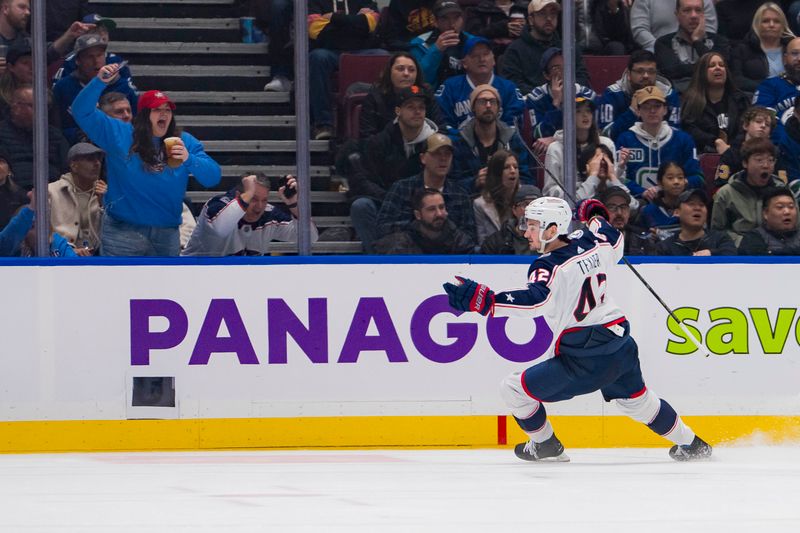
x: 519, y: 403
x: 642, y: 409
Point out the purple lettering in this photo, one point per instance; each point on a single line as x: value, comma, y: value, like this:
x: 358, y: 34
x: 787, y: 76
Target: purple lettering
x: 357, y: 341
x: 519, y: 353
x: 464, y: 334
x: 282, y: 322
x: 143, y: 340
x: 219, y: 311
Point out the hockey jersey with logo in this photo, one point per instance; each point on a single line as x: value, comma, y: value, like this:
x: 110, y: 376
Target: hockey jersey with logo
x: 777, y: 93
x: 544, y: 117
x: 453, y: 99
x: 614, y: 113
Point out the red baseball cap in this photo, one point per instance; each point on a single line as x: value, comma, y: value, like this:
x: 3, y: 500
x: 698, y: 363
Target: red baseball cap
x: 153, y: 99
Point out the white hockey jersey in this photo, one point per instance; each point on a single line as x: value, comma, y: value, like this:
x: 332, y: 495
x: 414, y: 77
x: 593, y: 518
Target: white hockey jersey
x: 568, y: 287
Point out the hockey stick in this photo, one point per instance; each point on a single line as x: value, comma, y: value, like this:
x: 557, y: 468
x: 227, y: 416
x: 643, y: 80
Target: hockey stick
x: 697, y: 342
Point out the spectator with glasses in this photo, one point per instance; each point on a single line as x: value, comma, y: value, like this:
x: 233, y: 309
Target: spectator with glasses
x: 738, y: 205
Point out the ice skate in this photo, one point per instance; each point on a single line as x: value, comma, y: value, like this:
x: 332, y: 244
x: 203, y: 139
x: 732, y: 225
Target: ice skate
x: 698, y: 450
x: 551, y: 451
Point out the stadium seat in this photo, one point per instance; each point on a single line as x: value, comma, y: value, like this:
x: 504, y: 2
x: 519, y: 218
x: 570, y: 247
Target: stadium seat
x: 708, y: 164
x: 605, y: 70
x: 355, y: 69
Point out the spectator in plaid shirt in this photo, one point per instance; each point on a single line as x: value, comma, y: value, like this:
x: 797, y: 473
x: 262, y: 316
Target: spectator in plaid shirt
x: 397, y: 212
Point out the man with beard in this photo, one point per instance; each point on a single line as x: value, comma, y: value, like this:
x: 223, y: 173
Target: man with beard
x: 90, y: 57
x: 14, y: 17
x: 651, y: 19
x: 616, y: 114
x: 397, y: 212
x: 693, y: 238
x: 523, y: 56
x: 481, y: 136
x: 677, y: 52
x: 779, y: 92
x: 453, y: 95
x: 76, y: 199
x: 738, y: 205
x: 777, y: 234
x: 430, y: 233
x: 16, y: 136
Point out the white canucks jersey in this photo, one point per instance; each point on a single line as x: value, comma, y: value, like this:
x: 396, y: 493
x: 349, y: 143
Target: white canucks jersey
x: 568, y: 287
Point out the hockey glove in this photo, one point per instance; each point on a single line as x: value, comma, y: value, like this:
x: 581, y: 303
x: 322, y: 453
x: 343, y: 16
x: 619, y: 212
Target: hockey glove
x: 467, y: 295
x: 589, y: 208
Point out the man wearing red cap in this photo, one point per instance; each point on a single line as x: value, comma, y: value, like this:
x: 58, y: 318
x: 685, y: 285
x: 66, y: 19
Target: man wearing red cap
x: 145, y: 193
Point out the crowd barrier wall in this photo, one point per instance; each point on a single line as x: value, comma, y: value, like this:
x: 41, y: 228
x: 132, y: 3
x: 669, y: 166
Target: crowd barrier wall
x: 308, y: 352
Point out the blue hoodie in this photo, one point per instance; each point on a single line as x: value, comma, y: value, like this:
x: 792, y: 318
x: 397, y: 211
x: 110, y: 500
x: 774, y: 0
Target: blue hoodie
x: 614, y: 113
x: 136, y: 195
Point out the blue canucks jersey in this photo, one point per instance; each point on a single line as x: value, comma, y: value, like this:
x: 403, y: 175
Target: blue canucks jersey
x: 453, y: 99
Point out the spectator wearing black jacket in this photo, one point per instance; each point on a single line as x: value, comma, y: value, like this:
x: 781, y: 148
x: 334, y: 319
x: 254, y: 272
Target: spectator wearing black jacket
x: 500, y: 21
x: 378, y: 107
x: 431, y: 232
x: 335, y: 27
x: 510, y: 239
x: 677, y: 52
x: 693, y: 237
x: 12, y: 197
x: 778, y: 233
x: 610, y: 28
x: 712, y: 105
x: 760, y: 54
x: 757, y: 121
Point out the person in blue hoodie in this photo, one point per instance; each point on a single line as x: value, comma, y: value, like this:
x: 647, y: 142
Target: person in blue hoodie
x: 440, y: 51
x: 615, y: 115
x: 651, y: 141
x: 146, y: 183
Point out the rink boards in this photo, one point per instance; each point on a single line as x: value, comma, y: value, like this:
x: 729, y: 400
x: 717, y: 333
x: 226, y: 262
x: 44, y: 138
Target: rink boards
x: 284, y: 352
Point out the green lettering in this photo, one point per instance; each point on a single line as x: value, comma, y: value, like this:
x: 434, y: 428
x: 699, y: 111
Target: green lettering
x: 772, y: 339
x: 728, y: 332
x: 685, y: 346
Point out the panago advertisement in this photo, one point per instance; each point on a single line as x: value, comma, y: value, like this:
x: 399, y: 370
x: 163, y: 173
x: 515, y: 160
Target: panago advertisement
x: 362, y: 348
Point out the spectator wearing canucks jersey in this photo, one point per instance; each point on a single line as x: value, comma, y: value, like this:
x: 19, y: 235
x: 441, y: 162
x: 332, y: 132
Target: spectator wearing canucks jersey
x: 738, y: 205
x: 482, y: 136
x: 660, y: 213
x: 397, y: 212
x: 616, y: 115
x: 522, y: 58
x: 653, y: 140
x: 90, y: 57
x: 103, y: 26
x: 787, y: 139
x: 778, y: 93
x: 544, y: 103
x: 678, y: 52
x: 712, y: 105
x: 335, y: 26
x: 587, y: 137
x: 440, y: 51
x: 242, y: 222
x: 405, y: 20
x: 453, y: 95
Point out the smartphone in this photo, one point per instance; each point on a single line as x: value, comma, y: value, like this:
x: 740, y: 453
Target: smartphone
x: 287, y: 192
x: 121, y: 66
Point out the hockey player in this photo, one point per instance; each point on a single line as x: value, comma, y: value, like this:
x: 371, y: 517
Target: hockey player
x: 567, y: 285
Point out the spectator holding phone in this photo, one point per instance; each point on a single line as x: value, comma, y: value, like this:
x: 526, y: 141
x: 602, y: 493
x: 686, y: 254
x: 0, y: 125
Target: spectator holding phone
x: 146, y: 182
x: 242, y: 222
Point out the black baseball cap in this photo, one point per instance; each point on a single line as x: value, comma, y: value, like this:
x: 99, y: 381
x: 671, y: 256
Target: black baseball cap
x: 688, y: 194
x: 414, y: 91
x: 19, y: 48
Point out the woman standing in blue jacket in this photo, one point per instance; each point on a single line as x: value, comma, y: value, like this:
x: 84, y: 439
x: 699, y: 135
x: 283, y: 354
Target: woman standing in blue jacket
x: 144, y: 200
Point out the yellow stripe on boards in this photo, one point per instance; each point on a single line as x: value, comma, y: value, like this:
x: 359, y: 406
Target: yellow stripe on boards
x: 376, y: 432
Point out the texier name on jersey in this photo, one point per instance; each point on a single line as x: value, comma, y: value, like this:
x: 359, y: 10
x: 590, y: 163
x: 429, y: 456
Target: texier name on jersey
x: 589, y: 264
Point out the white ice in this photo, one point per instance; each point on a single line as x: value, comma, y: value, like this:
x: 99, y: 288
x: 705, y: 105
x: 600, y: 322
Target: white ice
x: 743, y: 489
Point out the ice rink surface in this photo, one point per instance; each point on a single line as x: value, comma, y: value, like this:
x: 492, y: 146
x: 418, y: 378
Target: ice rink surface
x: 743, y: 489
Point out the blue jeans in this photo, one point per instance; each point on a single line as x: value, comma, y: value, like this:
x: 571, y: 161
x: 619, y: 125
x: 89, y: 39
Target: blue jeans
x: 364, y: 217
x: 322, y: 63
x: 122, y: 239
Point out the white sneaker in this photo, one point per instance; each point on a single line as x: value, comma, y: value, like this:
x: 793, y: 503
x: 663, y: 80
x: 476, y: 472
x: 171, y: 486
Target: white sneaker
x: 279, y: 84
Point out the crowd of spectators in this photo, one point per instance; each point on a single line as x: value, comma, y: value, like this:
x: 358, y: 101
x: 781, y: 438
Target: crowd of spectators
x: 463, y: 126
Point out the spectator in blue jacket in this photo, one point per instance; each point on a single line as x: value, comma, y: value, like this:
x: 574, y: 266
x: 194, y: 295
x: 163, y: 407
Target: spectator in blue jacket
x: 778, y: 93
x: 615, y: 114
x: 653, y: 140
x: 103, y: 26
x: 660, y: 213
x: 544, y: 103
x: 453, y: 95
x: 481, y: 136
x: 90, y: 56
x: 146, y: 184
x: 18, y: 238
x: 440, y: 51
x: 787, y: 139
